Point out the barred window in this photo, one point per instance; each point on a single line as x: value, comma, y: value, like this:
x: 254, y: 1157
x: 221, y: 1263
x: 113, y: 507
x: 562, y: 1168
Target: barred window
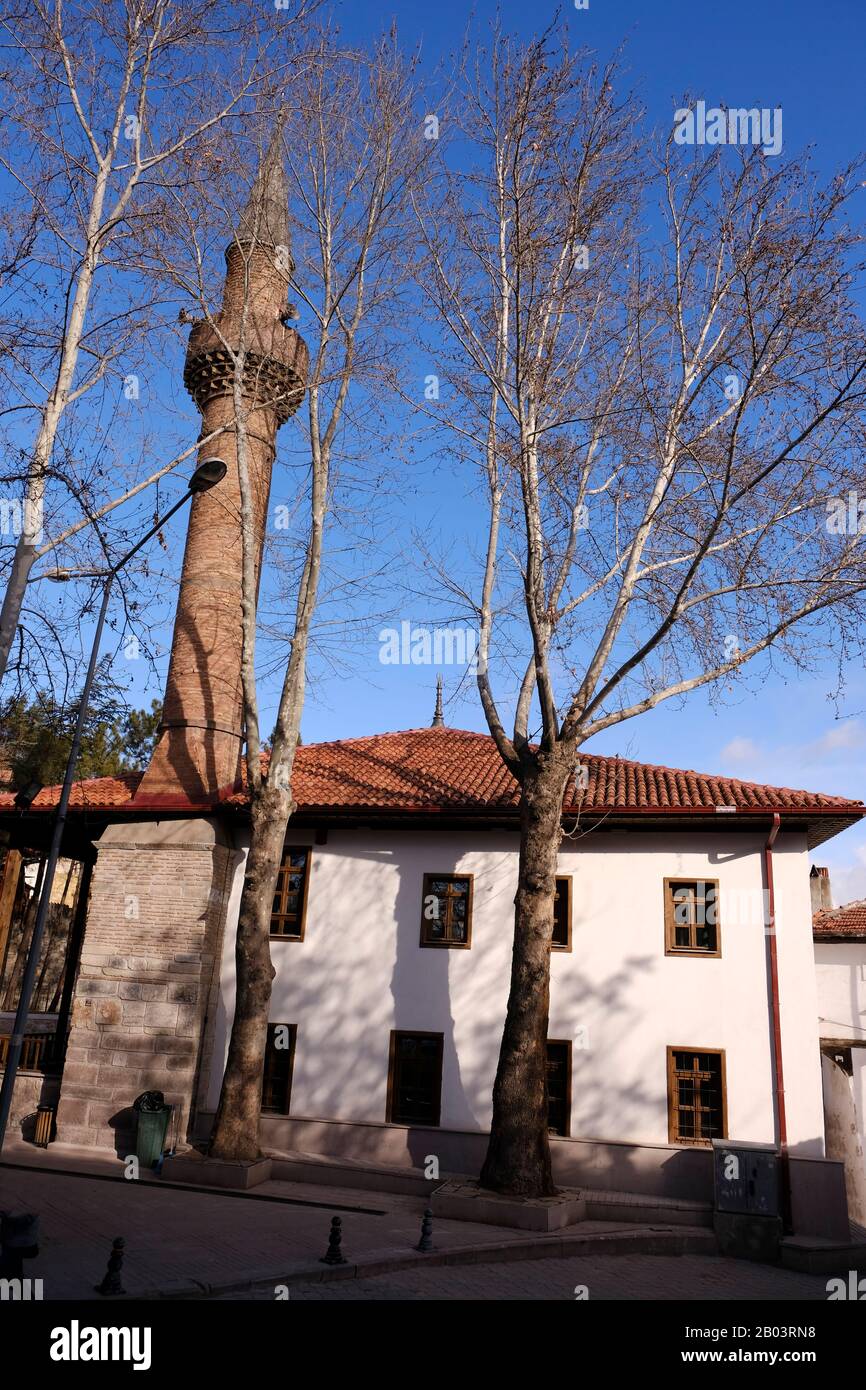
x: 696, y: 1096
x: 446, y: 910
x: 290, y: 897
x: 691, y: 917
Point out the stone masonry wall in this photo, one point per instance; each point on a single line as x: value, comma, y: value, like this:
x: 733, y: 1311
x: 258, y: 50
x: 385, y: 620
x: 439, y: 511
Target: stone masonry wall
x: 151, y: 949
x: 31, y: 1090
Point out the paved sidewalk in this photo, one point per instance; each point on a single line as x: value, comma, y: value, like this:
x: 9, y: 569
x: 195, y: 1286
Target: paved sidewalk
x: 182, y: 1241
x: 622, y: 1278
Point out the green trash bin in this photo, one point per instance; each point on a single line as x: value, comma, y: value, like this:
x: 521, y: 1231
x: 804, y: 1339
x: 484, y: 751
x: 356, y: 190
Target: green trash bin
x: 153, y: 1116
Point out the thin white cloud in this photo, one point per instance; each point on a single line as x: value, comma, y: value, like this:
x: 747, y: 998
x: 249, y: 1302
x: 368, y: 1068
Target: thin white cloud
x: 833, y: 746
x: 741, y: 750
x: 847, y: 877
x: 839, y: 738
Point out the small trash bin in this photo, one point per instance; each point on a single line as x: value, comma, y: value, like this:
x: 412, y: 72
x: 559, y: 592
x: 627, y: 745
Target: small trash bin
x: 44, y: 1126
x: 153, y: 1115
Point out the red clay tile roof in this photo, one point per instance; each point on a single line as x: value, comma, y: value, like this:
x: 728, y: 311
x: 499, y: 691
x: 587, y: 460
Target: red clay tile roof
x: 451, y: 769
x: 438, y: 770
x: 841, y: 923
x: 96, y: 794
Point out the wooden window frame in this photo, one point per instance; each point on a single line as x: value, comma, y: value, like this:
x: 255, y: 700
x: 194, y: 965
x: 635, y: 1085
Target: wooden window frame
x: 426, y: 893
x: 283, y: 936
x: 558, y: 945
x: 671, y: 948
x: 566, y: 1043
x: 392, y: 1073
x: 673, y: 1137
x: 293, y: 1033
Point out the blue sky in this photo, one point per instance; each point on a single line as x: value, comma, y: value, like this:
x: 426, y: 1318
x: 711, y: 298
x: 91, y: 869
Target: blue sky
x: 806, y: 59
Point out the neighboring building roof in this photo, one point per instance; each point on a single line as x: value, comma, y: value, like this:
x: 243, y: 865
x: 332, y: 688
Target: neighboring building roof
x: 841, y: 923
x: 441, y: 771
x: 95, y: 794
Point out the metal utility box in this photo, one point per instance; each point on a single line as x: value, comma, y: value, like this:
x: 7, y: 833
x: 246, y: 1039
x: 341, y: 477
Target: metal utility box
x: 746, y: 1178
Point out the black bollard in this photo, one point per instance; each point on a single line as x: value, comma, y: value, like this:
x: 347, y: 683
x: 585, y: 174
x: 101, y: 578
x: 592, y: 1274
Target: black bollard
x: 333, y: 1254
x: 111, y: 1286
x: 426, y: 1241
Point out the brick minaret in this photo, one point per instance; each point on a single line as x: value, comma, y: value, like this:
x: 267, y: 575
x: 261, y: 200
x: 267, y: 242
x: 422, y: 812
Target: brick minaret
x: 197, y: 756
x: 146, y: 1006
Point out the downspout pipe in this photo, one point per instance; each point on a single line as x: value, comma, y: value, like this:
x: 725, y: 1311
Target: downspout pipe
x: 775, y: 1018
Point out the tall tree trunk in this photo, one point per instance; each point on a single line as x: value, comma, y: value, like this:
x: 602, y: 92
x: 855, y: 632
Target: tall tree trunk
x: 236, y: 1129
x: 34, y: 499
x: 13, y: 600
x: 518, y: 1155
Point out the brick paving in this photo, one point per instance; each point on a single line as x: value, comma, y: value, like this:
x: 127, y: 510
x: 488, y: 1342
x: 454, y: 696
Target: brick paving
x: 623, y: 1278
x: 206, y: 1244
x: 179, y: 1239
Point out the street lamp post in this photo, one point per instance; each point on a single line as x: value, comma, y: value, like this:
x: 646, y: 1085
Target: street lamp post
x: 207, y: 475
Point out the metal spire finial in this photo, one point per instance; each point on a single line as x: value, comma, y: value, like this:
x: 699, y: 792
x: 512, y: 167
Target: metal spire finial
x: 438, y: 718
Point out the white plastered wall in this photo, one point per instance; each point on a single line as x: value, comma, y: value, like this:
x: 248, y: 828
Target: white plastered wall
x: 360, y: 972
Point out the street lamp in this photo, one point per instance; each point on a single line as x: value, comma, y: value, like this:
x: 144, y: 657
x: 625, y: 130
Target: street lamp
x: 207, y: 475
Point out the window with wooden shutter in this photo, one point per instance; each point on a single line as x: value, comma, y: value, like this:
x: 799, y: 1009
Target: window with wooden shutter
x: 561, y: 940
x: 558, y: 1087
x: 279, y: 1065
x: 415, y: 1078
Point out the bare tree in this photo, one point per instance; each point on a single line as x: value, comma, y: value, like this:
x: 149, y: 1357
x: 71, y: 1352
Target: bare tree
x: 353, y: 149
x: 668, y: 406
x: 107, y: 108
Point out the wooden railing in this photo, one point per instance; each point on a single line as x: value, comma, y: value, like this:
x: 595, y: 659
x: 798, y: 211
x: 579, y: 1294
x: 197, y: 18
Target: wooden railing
x: 37, y: 1053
